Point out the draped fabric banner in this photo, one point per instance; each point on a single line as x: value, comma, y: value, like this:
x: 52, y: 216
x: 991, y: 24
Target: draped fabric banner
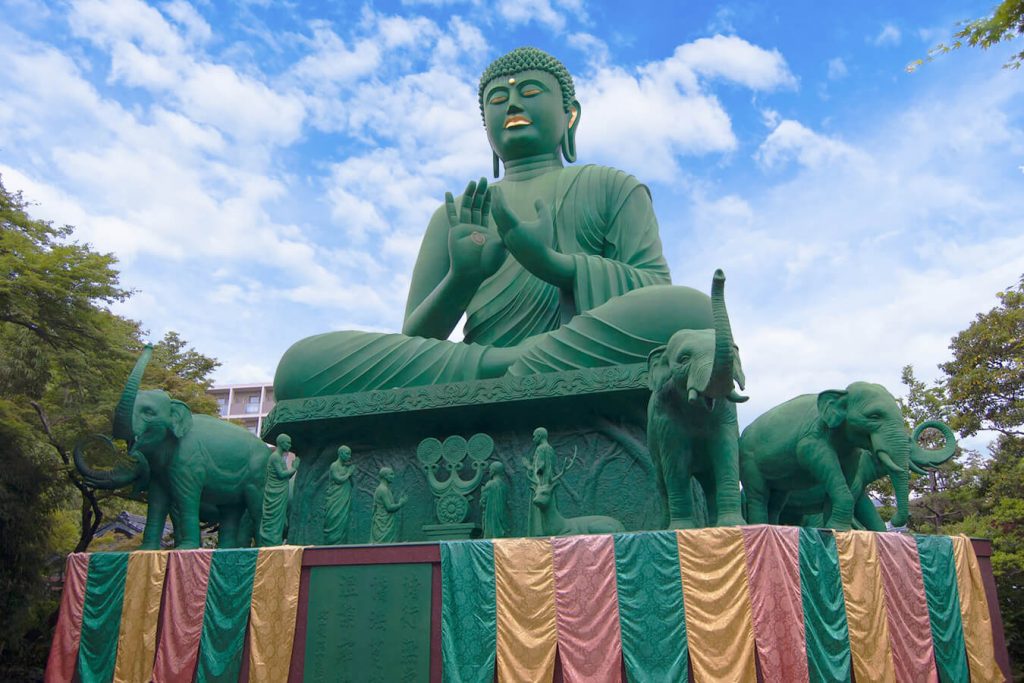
x: 938, y: 569
x: 275, y: 603
x: 773, y: 566
x: 524, y: 586
x: 60, y: 665
x: 226, y: 614
x: 865, y: 606
x: 910, y: 631
x: 143, y: 589
x: 181, y: 620
x: 719, y: 624
x: 468, y: 621
x: 981, y: 658
x: 651, y: 613
x: 101, y: 616
x: 587, y: 608
x: 827, y: 635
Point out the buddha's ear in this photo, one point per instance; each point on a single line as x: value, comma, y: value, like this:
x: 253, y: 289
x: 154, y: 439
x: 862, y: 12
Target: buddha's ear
x: 569, y: 138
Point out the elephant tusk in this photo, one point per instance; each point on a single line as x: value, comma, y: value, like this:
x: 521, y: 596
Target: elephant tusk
x: 887, y: 460
x: 915, y: 468
x: 693, y: 396
x: 737, y: 397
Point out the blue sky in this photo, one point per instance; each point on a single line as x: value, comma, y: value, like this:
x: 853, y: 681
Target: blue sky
x: 264, y: 171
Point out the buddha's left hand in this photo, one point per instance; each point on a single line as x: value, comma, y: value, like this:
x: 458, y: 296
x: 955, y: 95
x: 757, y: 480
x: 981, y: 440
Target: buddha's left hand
x: 527, y: 241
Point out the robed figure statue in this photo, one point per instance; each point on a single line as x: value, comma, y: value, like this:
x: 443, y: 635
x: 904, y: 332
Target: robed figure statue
x: 556, y: 268
x: 338, y: 501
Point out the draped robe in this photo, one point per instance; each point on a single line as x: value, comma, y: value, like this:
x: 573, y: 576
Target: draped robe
x: 620, y: 308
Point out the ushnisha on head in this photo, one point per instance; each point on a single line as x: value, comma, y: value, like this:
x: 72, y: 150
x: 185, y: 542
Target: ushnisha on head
x: 528, y: 102
x: 344, y: 454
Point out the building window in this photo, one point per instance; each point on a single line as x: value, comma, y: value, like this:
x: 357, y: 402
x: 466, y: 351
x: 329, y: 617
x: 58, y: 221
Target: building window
x: 252, y: 405
x: 222, y: 405
x: 252, y: 429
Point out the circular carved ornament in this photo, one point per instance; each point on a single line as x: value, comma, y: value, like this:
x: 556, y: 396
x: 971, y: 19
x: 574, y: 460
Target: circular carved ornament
x: 429, y: 451
x: 451, y: 508
x: 480, y: 447
x: 454, y: 449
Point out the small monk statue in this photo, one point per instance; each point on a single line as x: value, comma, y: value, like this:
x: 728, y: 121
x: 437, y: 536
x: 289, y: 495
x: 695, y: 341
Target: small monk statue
x: 338, y: 500
x: 555, y: 268
x: 494, y: 503
x: 275, y: 494
x: 542, y: 468
x: 384, y: 527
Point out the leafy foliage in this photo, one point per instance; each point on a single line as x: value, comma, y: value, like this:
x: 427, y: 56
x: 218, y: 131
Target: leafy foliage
x: 64, y: 358
x: 1005, y: 23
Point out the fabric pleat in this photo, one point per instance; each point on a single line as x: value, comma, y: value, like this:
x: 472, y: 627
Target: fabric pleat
x: 826, y: 634
x: 587, y: 608
x: 136, y: 643
x: 865, y: 606
x: 719, y: 624
x: 938, y: 569
x: 468, y: 619
x: 275, y: 603
x: 63, y: 659
x: 101, y: 616
x: 226, y: 614
x: 651, y: 613
x: 181, y: 620
x: 773, y: 567
x: 981, y: 657
x: 910, y: 631
x: 524, y: 586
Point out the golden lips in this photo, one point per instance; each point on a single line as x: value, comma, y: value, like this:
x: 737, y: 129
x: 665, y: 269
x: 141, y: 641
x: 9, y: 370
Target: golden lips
x: 517, y: 120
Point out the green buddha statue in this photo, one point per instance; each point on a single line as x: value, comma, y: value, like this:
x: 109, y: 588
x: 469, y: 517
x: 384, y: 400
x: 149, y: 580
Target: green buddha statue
x: 555, y: 267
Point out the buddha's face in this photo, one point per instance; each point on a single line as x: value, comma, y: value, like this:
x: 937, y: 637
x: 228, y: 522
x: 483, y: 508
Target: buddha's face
x: 523, y: 114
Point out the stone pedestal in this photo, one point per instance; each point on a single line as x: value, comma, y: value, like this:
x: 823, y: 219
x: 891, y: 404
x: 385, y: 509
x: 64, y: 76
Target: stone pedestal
x: 601, y: 413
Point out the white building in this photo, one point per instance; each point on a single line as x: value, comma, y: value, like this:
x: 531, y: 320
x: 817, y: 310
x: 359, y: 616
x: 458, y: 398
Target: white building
x: 245, y: 403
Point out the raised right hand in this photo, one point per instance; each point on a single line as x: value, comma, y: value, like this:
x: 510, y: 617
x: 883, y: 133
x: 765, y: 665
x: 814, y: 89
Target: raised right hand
x: 476, y: 252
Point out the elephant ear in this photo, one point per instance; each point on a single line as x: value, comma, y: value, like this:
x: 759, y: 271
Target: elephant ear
x: 181, y: 419
x: 832, y: 407
x: 657, y: 368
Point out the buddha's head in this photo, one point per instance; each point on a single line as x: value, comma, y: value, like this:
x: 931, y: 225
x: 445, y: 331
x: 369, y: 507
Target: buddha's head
x: 529, y: 105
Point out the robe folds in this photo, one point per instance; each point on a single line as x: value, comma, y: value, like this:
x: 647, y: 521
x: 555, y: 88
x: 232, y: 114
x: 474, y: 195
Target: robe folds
x: 620, y: 308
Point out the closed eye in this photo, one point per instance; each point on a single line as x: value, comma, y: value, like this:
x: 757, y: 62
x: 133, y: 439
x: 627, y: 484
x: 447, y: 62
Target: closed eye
x: 498, y: 99
x: 530, y: 92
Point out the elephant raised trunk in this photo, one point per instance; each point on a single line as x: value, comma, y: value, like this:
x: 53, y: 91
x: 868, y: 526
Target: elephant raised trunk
x: 122, y: 428
x: 723, y: 370
x: 901, y: 488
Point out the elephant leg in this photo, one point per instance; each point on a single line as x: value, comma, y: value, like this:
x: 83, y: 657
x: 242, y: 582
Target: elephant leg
x: 724, y: 452
x: 230, y: 516
x: 676, y: 469
x: 776, y: 503
x: 188, y: 511
x: 707, y: 483
x: 864, y: 512
x: 156, y: 516
x: 755, y: 490
x: 821, y: 461
x: 254, y: 508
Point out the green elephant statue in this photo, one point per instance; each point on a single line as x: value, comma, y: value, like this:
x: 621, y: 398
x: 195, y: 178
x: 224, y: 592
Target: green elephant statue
x: 692, y: 432
x: 192, y: 466
x: 817, y: 441
x: 810, y: 507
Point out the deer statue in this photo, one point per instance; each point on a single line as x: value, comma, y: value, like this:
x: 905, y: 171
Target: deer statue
x: 552, y: 521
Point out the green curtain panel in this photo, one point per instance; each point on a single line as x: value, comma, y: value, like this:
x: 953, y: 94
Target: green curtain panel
x: 101, y: 616
x: 825, y: 629
x: 468, y: 612
x: 651, y: 612
x: 226, y: 617
x: 943, y: 595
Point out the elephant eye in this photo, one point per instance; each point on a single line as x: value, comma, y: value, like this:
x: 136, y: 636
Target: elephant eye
x: 684, y: 358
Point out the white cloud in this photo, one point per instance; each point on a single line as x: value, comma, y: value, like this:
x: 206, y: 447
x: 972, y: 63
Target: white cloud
x: 196, y: 28
x: 889, y: 35
x: 525, y: 11
x: 792, y: 141
x: 645, y: 120
x: 837, y: 69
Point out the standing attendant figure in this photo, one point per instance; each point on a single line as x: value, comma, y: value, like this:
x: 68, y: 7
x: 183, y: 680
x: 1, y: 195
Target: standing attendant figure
x: 384, y: 527
x: 338, y: 501
x: 275, y: 494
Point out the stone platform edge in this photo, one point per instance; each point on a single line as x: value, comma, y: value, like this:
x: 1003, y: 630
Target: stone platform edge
x: 479, y: 392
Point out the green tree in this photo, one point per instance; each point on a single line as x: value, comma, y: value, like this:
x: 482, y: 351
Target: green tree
x: 1005, y: 23
x: 64, y: 357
